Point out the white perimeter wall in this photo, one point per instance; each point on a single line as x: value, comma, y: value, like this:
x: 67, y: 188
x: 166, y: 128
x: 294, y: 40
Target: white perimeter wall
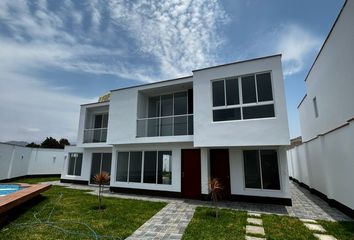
x: 331, y: 81
x: 326, y: 164
x: 16, y: 161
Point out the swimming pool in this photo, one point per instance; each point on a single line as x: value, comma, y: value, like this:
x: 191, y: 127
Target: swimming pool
x: 6, y: 189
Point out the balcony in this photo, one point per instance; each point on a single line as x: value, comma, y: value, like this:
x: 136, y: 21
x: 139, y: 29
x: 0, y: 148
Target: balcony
x: 95, y: 135
x: 175, y: 125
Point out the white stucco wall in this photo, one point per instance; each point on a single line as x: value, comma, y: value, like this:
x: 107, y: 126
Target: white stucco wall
x: 46, y: 161
x: 252, y: 132
x: 326, y: 164
x: 331, y: 81
x: 17, y: 161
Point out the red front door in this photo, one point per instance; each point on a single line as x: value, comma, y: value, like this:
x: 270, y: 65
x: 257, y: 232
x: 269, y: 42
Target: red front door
x: 191, y: 176
x: 220, y: 169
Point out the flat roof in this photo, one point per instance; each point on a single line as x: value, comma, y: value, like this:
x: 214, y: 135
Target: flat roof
x: 241, y: 61
x: 181, y: 78
x: 147, y: 84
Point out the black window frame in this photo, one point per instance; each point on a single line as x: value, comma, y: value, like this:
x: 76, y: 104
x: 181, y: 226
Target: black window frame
x: 260, y: 169
x: 257, y: 107
x: 159, y: 176
x: 77, y: 161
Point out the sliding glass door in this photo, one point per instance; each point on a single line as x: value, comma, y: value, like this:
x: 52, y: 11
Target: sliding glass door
x: 101, y: 162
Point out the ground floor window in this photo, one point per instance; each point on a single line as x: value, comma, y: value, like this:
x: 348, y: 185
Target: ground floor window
x: 75, y: 163
x: 101, y: 162
x: 261, y: 169
x: 144, y: 167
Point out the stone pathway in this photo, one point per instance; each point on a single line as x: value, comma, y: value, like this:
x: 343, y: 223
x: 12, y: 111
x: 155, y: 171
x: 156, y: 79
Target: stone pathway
x: 317, y: 230
x: 254, y: 228
x: 305, y: 205
x: 168, y: 223
x: 309, y: 206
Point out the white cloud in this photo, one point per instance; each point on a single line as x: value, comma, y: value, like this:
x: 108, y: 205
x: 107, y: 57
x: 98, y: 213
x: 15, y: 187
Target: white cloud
x: 171, y: 39
x: 296, y: 44
x: 180, y: 35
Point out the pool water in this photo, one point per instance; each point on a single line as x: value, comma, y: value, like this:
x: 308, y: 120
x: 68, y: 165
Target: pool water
x: 6, y: 189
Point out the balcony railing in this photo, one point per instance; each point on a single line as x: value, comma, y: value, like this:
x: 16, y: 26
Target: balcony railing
x: 95, y: 135
x: 165, y: 126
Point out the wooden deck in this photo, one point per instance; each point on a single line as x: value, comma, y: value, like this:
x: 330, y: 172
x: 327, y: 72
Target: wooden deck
x: 28, y: 192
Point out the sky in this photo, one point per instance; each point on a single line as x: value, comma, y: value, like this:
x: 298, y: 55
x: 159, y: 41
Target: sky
x: 58, y: 54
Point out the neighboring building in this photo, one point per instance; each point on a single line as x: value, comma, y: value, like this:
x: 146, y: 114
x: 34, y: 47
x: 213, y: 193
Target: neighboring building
x: 169, y: 138
x: 324, y: 162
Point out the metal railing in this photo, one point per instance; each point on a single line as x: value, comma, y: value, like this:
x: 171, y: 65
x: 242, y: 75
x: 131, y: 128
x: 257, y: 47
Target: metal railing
x: 175, y: 125
x: 95, y: 135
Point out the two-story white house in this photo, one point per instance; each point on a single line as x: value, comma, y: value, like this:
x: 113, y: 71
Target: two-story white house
x: 170, y: 137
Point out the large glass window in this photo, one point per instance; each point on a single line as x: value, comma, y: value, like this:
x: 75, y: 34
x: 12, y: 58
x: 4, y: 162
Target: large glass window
x: 261, y: 169
x: 122, y: 166
x: 75, y: 164
x: 135, y: 166
x: 249, y: 89
x: 218, y: 93
x: 256, y: 101
x: 168, y: 115
x: 157, y: 167
x: 101, y: 162
x: 180, y: 103
x: 150, y: 160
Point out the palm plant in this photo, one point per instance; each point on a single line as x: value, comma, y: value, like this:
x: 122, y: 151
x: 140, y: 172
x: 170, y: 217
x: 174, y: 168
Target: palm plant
x: 215, y: 191
x: 101, y: 179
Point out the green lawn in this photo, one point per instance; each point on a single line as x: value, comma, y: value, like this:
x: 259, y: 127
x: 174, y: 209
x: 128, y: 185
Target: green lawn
x: 229, y: 225
x: 37, y: 180
x: 340, y: 230
x: 285, y: 228
x: 64, y: 213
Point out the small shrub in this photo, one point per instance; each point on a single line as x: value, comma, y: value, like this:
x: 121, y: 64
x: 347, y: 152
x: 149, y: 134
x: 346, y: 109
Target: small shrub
x: 215, y: 191
x: 101, y: 179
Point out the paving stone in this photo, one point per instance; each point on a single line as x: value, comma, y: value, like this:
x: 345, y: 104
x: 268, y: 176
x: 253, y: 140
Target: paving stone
x: 254, y: 230
x: 315, y: 227
x: 308, y: 220
x: 255, y: 221
x: 324, y: 237
x: 254, y: 238
x: 253, y: 214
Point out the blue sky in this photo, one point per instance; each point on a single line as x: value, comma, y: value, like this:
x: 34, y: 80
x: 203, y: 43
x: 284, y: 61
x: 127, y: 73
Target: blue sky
x: 56, y: 55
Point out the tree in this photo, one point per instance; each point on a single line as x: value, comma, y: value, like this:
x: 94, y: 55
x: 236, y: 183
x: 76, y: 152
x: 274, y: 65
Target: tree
x: 101, y: 179
x: 33, y: 145
x: 64, y: 142
x: 50, y: 142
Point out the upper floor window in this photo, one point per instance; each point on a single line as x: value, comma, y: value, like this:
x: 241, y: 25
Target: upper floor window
x: 98, y: 131
x: 168, y: 115
x: 245, y: 97
x: 315, y: 108
x: 101, y: 120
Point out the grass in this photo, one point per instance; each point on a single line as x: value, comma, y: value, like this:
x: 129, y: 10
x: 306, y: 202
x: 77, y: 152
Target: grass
x: 341, y: 230
x: 229, y: 225
x: 63, y: 213
x: 285, y: 228
x: 36, y: 180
